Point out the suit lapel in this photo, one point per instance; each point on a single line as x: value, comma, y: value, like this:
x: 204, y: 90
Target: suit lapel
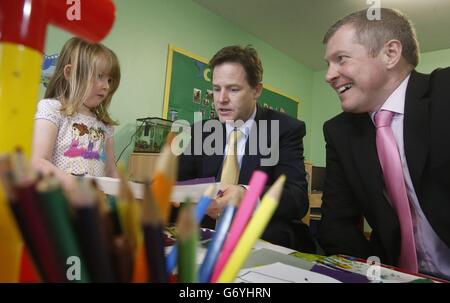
x: 213, y: 163
x: 251, y: 162
x: 365, y: 154
x: 416, y: 126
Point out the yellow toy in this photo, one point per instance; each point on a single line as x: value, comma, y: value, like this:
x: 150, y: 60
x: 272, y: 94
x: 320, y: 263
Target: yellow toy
x: 23, y: 26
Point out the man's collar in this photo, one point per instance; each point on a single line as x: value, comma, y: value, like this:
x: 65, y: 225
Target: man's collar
x: 396, y: 101
x: 245, y: 128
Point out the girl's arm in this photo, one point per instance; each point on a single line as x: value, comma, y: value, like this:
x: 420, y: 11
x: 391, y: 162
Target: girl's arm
x: 110, y: 165
x: 44, y: 139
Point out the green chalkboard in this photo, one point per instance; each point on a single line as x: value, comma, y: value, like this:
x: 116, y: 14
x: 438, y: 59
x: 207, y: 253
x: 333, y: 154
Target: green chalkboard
x: 188, y: 89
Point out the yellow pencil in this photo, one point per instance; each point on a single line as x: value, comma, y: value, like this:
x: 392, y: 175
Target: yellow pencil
x: 253, y: 232
x: 129, y: 213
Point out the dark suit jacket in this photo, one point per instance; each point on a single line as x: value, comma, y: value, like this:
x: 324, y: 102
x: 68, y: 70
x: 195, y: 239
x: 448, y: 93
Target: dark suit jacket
x: 293, y: 204
x: 354, y: 183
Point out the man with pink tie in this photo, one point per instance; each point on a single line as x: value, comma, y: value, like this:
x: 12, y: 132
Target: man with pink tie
x: 388, y: 153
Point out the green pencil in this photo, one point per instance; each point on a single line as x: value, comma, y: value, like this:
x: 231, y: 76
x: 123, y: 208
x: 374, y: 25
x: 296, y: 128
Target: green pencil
x: 117, y: 226
x: 187, y: 231
x: 56, y: 212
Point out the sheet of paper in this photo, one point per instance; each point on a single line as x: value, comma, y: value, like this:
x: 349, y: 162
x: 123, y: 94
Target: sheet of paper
x: 110, y: 186
x: 281, y: 273
x: 264, y: 244
x: 266, y: 256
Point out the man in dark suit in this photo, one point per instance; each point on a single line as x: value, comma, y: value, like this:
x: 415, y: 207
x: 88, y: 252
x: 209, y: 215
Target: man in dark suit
x: 236, y: 78
x: 386, y: 103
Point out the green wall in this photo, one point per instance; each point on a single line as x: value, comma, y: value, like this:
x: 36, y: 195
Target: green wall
x: 432, y: 60
x: 140, y: 37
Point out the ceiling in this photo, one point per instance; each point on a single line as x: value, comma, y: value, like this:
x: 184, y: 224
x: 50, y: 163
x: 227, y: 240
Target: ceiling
x: 296, y: 27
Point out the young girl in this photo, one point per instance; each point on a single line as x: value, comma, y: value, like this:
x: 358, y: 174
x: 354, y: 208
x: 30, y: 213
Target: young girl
x: 76, y: 103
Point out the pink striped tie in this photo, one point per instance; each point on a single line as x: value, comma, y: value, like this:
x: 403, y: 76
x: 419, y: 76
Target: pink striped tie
x: 396, y: 189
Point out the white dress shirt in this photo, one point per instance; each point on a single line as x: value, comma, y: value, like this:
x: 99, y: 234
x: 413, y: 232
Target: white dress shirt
x: 432, y: 253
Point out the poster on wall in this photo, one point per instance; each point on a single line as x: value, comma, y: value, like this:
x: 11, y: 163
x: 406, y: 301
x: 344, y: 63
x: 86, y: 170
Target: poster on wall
x: 188, y: 89
x: 48, y: 68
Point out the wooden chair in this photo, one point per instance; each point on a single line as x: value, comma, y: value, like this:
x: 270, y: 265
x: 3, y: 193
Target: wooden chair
x: 315, y: 198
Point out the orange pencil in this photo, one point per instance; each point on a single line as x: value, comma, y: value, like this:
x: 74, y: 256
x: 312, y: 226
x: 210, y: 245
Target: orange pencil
x: 165, y: 177
x: 140, y: 270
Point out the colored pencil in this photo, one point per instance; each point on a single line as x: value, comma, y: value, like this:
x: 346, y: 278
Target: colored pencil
x: 253, y: 232
x: 51, y: 267
x: 244, y: 212
x: 140, y: 271
x: 117, y: 244
x: 11, y: 228
x: 153, y: 226
x: 187, y: 230
x: 91, y: 235
x: 123, y: 259
x: 57, y: 215
x: 203, y: 204
x: 217, y: 241
x: 200, y: 211
x: 114, y: 213
x: 105, y: 216
x: 164, y: 178
x: 129, y: 213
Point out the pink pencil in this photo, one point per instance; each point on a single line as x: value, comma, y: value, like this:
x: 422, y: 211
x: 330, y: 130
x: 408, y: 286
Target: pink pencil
x: 245, y: 211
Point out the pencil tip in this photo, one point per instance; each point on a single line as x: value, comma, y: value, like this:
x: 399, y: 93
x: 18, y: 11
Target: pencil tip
x: 167, y: 162
x: 186, y: 224
x: 277, y: 188
x: 210, y: 191
x: 170, y: 138
x: 151, y: 213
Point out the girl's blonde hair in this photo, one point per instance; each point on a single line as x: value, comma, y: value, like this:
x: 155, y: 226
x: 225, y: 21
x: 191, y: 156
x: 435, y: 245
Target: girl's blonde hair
x: 86, y: 59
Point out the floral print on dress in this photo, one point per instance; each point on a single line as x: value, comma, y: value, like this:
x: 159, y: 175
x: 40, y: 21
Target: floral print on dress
x: 101, y: 149
x: 90, y: 153
x: 76, y: 150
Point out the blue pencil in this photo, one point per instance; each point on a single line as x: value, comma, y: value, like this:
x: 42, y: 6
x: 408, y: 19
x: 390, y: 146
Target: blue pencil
x: 216, y: 244
x: 200, y: 211
x: 202, y: 206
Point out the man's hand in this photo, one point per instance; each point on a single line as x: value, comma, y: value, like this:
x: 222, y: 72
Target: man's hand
x: 229, y: 192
